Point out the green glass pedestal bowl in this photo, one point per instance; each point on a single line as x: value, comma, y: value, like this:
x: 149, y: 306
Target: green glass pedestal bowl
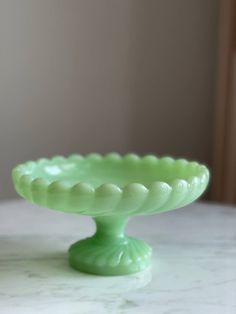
x: 111, y: 189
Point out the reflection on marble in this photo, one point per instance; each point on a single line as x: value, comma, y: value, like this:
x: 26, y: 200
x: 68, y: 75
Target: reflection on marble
x: 194, y: 264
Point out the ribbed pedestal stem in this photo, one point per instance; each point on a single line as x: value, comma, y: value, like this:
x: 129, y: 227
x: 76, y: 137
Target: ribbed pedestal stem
x: 109, y: 251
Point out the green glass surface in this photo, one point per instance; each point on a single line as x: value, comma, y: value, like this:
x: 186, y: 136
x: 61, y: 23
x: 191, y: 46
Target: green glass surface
x: 111, y: 189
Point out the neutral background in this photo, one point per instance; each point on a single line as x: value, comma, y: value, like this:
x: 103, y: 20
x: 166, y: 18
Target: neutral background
x: 107, y: 75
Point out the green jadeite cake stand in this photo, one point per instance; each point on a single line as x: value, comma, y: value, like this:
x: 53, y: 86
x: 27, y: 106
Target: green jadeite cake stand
x: 111, y: 189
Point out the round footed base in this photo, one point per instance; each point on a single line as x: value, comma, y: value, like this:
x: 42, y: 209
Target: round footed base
x: 126, y: 256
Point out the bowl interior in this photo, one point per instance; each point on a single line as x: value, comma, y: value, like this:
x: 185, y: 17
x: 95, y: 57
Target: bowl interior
x: 97, y: 171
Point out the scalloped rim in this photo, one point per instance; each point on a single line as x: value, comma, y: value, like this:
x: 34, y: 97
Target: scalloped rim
x: 20, y: 173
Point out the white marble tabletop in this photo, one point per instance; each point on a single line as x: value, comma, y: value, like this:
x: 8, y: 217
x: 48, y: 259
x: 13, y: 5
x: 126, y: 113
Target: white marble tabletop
x: 194, y: 264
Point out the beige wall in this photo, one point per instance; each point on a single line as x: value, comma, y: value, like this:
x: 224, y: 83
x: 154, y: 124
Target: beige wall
x: 105, y: 75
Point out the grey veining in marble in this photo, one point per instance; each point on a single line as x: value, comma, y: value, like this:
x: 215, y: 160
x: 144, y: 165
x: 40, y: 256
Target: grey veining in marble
x: 194, y: 264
